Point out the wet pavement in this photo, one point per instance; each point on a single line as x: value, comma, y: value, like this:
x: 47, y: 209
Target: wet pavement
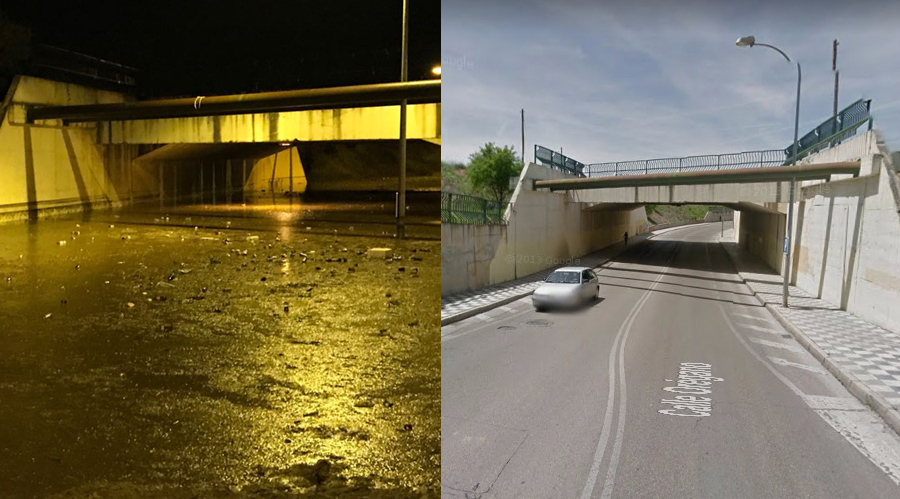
x: 219, y: 352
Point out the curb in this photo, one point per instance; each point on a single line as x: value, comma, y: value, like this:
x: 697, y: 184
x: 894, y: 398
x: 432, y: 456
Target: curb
x: 483, y: 308
x: 865, y: 395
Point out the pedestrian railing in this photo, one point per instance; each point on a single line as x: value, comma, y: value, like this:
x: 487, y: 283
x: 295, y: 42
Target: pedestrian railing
x: 731, y: 161
x: 828, y: 134
x: 462, y: 209
x: 557, y: 161
x: 833, y: 130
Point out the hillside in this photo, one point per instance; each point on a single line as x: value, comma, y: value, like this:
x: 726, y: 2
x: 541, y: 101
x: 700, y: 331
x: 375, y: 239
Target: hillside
x: 666, y: 214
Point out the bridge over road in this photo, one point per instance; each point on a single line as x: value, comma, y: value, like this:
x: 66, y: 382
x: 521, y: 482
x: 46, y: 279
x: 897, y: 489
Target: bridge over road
x: 844, y: 245
x: 65, y: 146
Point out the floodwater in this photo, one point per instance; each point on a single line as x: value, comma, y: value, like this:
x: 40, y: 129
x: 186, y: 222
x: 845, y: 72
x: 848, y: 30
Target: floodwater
x: 236, y: 350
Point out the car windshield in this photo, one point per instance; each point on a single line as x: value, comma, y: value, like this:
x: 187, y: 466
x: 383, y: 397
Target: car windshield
x: 565, y: 277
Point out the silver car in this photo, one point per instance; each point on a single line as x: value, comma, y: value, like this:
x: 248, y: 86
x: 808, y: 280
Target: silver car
x: 567, y: 287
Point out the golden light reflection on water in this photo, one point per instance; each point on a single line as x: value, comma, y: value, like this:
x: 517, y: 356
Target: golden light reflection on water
x: 216, y: 372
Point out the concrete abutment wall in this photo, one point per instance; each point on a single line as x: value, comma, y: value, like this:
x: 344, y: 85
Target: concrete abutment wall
x: 51, y: 168
x: 846, y: 235
x: 544, y: 230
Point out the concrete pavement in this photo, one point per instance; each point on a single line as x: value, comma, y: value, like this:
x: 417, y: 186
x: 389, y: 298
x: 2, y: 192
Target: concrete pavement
x: 863, y: 356
x: 569, y: 404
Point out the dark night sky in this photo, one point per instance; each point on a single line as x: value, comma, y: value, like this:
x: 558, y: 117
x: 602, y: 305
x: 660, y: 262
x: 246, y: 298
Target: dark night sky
x: 211, y: 47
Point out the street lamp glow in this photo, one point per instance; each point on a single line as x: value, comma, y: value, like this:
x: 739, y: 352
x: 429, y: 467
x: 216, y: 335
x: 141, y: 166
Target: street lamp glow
x: 436, y: 70
x: 745, y: 41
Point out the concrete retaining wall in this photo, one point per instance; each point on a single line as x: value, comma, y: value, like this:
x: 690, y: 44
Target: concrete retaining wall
x: 847, y: 250
x: 846, y: 234
x: 717, y: 216
x: 544, y: 230
x: 466, y: 255
x: 49, y: 169
x: 762, y: 234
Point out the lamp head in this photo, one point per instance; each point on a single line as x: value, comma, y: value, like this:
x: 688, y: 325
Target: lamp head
x: 745, y: 41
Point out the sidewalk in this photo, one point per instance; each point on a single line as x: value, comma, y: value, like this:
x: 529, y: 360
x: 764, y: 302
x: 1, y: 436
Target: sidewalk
x: 464, y: 305
x: 864, y: 357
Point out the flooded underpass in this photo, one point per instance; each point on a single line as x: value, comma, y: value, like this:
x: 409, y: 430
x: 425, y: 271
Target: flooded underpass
x: 253, y: 349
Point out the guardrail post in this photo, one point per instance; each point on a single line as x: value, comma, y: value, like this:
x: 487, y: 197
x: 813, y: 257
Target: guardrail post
x: 645, y: 167
x: 450, y: 206
x: 719, y: 162
x: 679, y: 163
x: 868, y: 109
x: 617, y: 169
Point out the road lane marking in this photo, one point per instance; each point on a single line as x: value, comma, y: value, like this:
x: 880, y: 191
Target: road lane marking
x: 775, y: 344
x: 819, y: 402
x: 756, y: 355
x: 760, y: 329
x: 784, y: 362
x: 866, y: 431
x: 464, y: 332
x: 610, y: 399
x: 609, y: 484
x: 753, y: 317
x: 694, y: 379
x: 863, y: 429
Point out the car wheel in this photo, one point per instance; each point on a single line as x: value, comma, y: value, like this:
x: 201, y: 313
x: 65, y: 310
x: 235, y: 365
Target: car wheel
x: 539, y: 309
x: 597, y: 296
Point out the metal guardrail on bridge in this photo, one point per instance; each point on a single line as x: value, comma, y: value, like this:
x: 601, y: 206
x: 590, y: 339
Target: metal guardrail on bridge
x: 833, y: 130
x: 769, y: 157
x: 829, y: 133
x: 557, y: 161
x: 462, y: 209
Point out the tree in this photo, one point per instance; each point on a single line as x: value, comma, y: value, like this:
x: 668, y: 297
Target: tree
x: 490, y: 169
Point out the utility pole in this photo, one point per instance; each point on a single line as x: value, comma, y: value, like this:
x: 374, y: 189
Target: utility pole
x: 401, y: 188
x: 523, y: 137
x: 836, y: 73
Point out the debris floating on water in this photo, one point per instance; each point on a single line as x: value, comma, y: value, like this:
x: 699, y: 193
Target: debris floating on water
x: 383, y: 253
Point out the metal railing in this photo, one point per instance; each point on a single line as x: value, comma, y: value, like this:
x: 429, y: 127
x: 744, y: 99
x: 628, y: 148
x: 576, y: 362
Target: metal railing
x: 462, y: 209
x: 830, y: 133
x: 557, y: 161
x: 833, y: 130
x: 731, y: 161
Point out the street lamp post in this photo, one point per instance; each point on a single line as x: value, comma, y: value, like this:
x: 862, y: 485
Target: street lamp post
x: 401, y: 180
x: 749, y: 41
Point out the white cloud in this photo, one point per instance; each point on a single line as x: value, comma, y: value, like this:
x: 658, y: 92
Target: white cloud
x: 614, y: 84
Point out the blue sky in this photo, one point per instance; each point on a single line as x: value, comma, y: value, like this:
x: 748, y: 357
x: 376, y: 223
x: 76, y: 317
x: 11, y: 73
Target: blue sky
x: 618, y: 80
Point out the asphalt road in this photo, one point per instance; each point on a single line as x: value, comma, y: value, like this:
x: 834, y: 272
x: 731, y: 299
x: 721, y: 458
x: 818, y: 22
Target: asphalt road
x: 568, y: 404
x: 197, y: 354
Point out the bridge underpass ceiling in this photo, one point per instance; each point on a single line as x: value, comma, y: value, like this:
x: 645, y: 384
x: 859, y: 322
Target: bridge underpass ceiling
x: 742, y: 206
x: 368, y: 123
x: 190, y: 152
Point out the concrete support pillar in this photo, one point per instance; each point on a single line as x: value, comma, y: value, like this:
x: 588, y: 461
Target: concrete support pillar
x: 228, y: 182
x: 161, y: 186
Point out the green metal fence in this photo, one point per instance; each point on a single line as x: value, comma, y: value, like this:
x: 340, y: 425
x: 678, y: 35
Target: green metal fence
x: 731, y: 161
x: 833, y: 130
x: 557, y: 161
x: 830, y: 133
x: 462, y: 209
